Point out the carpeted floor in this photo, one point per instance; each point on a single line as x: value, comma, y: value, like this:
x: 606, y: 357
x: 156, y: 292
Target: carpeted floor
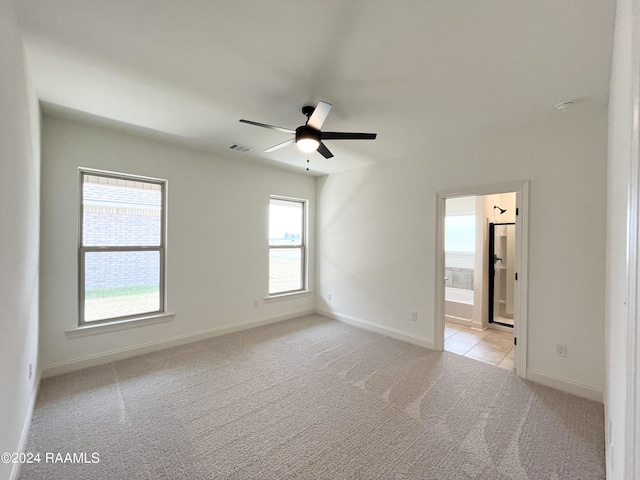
x: 311, y: 398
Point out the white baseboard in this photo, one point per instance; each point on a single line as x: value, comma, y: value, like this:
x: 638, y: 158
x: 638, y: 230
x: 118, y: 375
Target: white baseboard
x: 566, y: 385
x: 120, y: 354
x: 377, y: 328
x: 458, y: 320
x: 552, y: 381
x: 24, y: 435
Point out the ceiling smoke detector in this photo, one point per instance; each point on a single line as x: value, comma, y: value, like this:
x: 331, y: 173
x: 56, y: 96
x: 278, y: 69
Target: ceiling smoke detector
x: 564, y: 106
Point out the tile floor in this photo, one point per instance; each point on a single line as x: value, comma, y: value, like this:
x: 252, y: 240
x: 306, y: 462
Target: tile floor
x: 490, y: 346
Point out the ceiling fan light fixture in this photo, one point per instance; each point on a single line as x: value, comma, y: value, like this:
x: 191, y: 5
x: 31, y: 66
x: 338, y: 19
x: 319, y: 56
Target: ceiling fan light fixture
x: 307, y: 139
x: 308, y: 145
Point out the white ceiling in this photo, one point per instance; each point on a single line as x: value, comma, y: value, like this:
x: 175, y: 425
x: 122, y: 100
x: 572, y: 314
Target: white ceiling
x: 417, y: 72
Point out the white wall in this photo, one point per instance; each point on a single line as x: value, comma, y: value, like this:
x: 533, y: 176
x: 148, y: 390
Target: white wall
x: 617, y: 286
x: 376, y: 236
x: 19, y: 211
x: 460, y: 206
x: 217, y: 238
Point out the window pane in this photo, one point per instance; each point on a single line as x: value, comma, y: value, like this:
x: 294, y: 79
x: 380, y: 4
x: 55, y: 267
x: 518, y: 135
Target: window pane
x: 285, y: 270
x: 460, y: 233
x: 120, y: 212
x: 119, y: 284
x: 285, y: 222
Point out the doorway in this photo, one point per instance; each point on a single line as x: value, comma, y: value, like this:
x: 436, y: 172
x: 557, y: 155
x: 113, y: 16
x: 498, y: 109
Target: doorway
x: 508, y: 313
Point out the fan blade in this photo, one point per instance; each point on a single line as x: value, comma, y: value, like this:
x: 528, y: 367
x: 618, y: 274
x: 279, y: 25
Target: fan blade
x: 264, y: 125
x: 280, y: 145
x: 319, y: 115
x: 324, y: 151
x: 348, y: 136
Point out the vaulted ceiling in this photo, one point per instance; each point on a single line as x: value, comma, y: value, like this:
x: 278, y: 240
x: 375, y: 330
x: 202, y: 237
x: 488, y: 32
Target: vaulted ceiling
x: 417, y: 72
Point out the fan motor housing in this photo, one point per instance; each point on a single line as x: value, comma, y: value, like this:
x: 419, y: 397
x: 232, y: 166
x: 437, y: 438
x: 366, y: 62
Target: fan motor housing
x: 307, y: 132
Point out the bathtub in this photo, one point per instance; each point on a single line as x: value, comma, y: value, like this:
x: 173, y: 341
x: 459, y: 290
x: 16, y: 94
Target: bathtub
x: 458, y: 305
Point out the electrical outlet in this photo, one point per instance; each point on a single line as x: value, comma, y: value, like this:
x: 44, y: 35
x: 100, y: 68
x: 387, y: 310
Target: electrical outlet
x: 414, y: 316
x: 329, y: 296
x: 30, y: 370
x: 561, y: 350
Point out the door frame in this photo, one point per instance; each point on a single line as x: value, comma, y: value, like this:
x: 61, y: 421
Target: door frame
x: 632, y: 280
x: 521, y: 188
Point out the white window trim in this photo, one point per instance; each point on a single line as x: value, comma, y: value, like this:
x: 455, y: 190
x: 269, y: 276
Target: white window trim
x: 277, y: 296
x: 129, y: 321
x: 117, y: 325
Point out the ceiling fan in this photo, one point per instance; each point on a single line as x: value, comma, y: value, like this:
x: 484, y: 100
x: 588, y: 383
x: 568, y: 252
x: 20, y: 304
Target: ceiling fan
x: 309, y: 137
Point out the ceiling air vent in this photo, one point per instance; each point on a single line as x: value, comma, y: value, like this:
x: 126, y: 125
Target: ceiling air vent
x: 239, y: 148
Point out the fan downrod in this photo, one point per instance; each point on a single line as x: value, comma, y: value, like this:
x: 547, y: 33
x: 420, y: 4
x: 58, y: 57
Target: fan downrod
x: 308, y: 111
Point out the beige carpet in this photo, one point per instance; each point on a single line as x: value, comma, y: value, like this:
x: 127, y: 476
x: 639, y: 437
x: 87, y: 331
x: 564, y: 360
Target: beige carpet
x: 311, y: 398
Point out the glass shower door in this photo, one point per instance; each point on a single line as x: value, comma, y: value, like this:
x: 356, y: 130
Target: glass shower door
x: 502, y: 248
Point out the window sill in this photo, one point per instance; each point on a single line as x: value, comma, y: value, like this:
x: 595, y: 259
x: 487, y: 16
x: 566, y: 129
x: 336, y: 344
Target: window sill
x: 87, y: 330
x: 286, y: 296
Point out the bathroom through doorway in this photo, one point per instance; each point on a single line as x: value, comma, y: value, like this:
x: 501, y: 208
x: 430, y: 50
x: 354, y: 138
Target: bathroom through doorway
x: 482, y: 289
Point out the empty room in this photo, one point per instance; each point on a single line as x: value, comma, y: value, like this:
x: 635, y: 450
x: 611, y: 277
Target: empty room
x: 304, y: 239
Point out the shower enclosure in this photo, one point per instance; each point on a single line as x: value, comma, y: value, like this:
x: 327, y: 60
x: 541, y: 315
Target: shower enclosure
x: 501, y: 251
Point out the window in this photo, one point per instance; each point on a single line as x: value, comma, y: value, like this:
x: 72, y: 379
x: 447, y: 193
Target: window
x: 460, y: 233
x: 287, y: 253
x: 121, y: 248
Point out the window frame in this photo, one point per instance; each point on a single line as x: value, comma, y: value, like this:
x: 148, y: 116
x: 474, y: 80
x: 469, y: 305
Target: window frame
x: 83, y: 250
x: 302, y: 247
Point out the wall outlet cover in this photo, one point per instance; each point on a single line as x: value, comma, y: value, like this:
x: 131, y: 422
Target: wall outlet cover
x: 561, y: 350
